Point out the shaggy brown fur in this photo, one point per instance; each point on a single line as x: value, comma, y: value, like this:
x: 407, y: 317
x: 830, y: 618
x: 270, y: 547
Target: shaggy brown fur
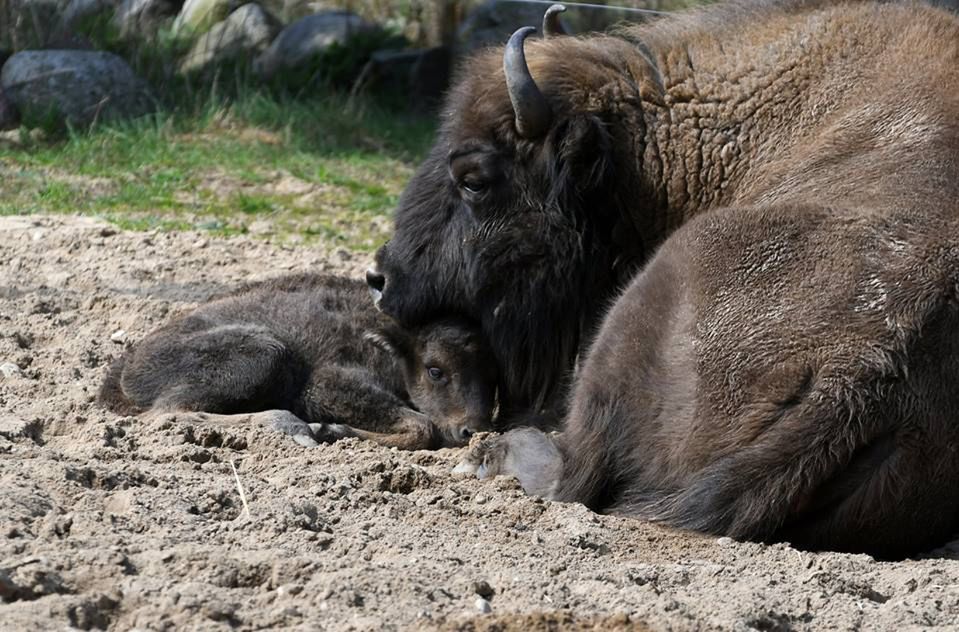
x: 785, y: 367
x: 835, y: 103
x: 313, y: 356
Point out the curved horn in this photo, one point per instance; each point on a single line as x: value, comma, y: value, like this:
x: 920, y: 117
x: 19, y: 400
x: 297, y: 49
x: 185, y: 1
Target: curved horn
x: 551, y: 24
x: 529, y: 105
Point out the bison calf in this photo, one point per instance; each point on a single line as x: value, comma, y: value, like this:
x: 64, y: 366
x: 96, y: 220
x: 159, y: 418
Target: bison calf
x: 312, y: 354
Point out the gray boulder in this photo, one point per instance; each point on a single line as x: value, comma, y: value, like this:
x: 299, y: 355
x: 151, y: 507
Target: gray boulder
x: 302, y: 41
x: 79, y: 87
x: 247, y: 32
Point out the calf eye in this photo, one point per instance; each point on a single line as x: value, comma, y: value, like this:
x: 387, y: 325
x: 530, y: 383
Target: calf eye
x: 436, y: 374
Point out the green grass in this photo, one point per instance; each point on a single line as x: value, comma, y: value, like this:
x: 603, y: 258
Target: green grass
x: 316, y: 168
x: 228, y: 157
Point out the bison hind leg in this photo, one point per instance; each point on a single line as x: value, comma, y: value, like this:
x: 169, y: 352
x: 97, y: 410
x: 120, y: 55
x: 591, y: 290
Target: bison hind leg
x: 532, y: 456
x: 224, y: 369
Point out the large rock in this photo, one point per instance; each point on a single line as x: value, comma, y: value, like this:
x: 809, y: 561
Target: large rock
x: 78, y: 87
x: 139, y: 18
x: 303, y: 41
x: 247, y: 32
x: 197, y: 16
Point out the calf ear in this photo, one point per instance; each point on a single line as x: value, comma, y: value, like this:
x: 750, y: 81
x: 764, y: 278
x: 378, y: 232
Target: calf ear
x: 582, y: 154
x: 392, y: 339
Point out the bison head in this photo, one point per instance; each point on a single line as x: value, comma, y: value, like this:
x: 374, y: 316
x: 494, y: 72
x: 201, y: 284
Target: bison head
x: 510, y: 221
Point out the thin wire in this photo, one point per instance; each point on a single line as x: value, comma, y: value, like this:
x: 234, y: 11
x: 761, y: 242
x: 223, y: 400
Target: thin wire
x: 587, y: 5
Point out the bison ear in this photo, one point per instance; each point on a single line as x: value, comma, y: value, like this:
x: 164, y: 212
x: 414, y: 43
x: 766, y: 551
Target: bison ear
x: 583, y: 152
x: 392, y: 339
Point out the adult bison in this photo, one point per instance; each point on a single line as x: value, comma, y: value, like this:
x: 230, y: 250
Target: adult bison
x: 786, y: 366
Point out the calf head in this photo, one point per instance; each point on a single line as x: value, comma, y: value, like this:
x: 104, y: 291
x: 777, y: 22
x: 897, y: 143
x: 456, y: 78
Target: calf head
x: 450, y: 375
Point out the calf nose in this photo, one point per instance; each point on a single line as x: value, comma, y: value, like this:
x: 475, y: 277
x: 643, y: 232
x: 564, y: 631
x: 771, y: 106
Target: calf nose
x: 466, y: 433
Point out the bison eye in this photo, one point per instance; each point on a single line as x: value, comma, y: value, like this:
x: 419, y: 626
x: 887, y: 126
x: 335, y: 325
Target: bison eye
x: 472, y: 185
x: 436, y: 374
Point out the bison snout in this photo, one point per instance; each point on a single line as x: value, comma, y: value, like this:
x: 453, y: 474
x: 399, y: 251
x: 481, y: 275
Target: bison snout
x: 376, y: 283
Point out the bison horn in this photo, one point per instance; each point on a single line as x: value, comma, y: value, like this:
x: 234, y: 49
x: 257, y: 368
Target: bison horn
x: 551, y: 24
x: 529, y: 105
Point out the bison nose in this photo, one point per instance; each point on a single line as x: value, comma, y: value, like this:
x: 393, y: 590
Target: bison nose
x: 375, y: 280
x: 376, y: 283
x: 466, y: 433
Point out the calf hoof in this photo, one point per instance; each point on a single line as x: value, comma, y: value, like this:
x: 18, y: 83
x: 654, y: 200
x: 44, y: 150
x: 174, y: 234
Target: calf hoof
x: 289, y: 424
x: 328, y: 433
x: 530, y: 455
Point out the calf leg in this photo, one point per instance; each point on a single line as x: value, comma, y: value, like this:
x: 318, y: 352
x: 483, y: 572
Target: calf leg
x: 349, y: 402
x: 279, y: 420
x: 414, y: 432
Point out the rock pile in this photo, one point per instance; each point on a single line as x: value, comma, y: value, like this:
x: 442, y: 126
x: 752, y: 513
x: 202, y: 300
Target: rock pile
x: 71, y: 62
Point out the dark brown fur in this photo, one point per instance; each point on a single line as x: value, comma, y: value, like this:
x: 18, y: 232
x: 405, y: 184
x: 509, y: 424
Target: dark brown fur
x: 313, y: 346
x: 784, y: 367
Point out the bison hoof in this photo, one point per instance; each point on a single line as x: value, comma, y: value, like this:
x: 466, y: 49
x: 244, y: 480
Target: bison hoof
x: 530, y: 455
x: 484, y: 450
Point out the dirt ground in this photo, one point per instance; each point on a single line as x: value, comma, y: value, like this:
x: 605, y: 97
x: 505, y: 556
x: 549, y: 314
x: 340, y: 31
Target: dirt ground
x: 119, y: 522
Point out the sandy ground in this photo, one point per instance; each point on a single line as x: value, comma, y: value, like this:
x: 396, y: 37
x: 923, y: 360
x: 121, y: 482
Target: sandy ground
x: 118, y: 522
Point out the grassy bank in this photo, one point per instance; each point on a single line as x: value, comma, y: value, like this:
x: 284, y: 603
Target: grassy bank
x: 296, y: 169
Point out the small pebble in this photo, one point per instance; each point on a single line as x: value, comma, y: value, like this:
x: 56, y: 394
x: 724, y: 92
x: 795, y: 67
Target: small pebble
x: 289, y: 589
x: 483, y: 589
x: 119, y: 336
x: 9, y: 369
x: 200, y: 243
x: 725, y: 541
x: 483, y: 606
